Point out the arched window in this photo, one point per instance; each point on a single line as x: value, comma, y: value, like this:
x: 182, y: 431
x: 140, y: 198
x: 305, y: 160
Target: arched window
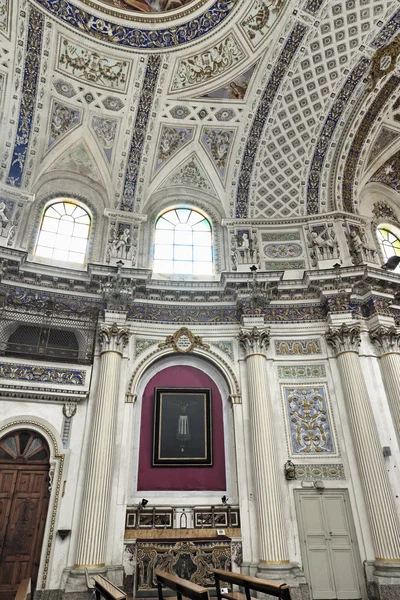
x: 64, y: 232
x: 183, y: 243
x: 389, y: 241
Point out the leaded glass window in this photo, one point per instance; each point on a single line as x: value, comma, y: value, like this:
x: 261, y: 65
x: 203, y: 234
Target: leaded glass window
x: 183, y: 243
x: 64, y: 232
x: 390, y: 243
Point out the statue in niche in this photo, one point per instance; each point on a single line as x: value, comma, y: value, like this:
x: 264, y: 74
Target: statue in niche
x: 359, y: 251
x: 323, y: 244
x: 120, y: 244
x: 245, y: 253
x: 3, y: 217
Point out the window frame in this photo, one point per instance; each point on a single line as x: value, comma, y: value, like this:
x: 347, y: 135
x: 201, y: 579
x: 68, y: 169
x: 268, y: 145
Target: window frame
x: 61, y: 199
x: 212, y: 246
x: 393, y: 228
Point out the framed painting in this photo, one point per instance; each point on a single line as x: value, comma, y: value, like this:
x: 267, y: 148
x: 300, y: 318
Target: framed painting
x: 182, y: 433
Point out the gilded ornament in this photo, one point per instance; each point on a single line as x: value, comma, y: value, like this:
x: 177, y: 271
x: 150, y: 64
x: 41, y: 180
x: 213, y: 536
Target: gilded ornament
x: 184, y: 341
x: 384, y: 62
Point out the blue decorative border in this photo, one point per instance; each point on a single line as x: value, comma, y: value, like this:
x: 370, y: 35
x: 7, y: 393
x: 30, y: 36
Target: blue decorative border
x: 391, y: 27
x: 286, y: 56
x: 139, y: 132
x: 28, y: 97
x: 134, y: 37
x: 328, y: 129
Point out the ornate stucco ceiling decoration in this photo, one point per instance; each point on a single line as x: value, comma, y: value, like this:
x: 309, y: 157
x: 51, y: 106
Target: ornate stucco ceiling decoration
x: 79, y: 159
x: 389, y: 173
x: 140, y: 37
x: 385, y: 138
x: 190, y: 174
x: 302, y: 116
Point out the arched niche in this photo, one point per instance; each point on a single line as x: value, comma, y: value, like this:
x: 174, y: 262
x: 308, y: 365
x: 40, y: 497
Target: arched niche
x: 177, y: 484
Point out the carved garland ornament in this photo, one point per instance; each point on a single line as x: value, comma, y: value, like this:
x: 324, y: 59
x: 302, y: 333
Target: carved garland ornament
x: 184, y: 341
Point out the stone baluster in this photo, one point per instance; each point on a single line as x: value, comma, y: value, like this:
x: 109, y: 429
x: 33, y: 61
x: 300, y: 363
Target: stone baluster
x: 272, y: 536
x: 377, y: 493
x: 95, y: 507
x: 387, y: 343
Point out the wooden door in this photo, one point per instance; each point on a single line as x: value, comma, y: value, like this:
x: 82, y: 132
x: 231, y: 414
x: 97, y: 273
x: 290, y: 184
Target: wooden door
x: 327, y: 540
x: 24, y: 499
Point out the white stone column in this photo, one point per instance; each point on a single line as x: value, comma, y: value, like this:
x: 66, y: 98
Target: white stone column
x: 95, y: 507
x: 271, y: 531
x: 387, y: 343
x: 377, y: 493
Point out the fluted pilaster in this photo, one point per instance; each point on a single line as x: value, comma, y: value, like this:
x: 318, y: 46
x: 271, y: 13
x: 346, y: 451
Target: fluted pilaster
x: 95, y: 508
x: 272, y: 539
x: 387, y: 343
x: 378, y: 497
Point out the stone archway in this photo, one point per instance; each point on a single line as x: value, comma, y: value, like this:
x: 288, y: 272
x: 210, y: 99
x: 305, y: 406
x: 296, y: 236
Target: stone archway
x: 24, y: 498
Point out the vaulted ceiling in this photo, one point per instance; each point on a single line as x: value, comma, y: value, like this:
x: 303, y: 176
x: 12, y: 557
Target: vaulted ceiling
x: 267, y: 109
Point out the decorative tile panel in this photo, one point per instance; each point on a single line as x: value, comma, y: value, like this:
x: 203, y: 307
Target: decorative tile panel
x: 282, y: 250
x: 280, y: 237
x: 293, y: 347
x: 113, y: 103
x: 28, y: 94
x: 284, y: 265
x: 204, y: 66
x: 57, y: 375
x: 308, y: 420
x: 83, y: 64
x: 301, y: 371
x: 64, y: 88
x: 324, y: 472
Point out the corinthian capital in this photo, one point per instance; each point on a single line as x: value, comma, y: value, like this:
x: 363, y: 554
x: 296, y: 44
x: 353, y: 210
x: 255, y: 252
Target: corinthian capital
x: 386, y: 340
x: 254, y: 341
x: 113, y: 338
x: 344, y: 338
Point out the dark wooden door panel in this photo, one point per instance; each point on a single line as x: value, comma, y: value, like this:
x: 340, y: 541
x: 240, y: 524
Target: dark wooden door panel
x: 24, y: 508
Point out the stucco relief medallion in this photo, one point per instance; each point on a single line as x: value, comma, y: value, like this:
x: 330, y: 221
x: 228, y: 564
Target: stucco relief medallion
x: 282, y: 250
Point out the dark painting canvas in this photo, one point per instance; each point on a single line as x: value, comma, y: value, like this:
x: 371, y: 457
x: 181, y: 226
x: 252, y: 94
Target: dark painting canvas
x: 182, y: 427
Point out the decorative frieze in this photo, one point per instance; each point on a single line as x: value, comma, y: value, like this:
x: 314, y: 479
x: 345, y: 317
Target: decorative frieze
x: 113, y: 338
x: 294, y: 347
x: 255, y: 341
x: 325, y: 472
x: 58, y: 375
x: 285, y: 236
x: 344, y: 339
x: 301, y: 371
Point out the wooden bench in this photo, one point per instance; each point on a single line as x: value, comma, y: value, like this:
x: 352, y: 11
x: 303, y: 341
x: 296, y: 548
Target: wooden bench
x: 24, y: 589
x: 248, y: 584
x: 106, y: 589
x: 182, y: 587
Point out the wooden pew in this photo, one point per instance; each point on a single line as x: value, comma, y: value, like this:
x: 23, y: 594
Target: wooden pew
x: 249, y: 584
x: 182, y: 587
x: 107, y: 590
x: 24, y: 589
